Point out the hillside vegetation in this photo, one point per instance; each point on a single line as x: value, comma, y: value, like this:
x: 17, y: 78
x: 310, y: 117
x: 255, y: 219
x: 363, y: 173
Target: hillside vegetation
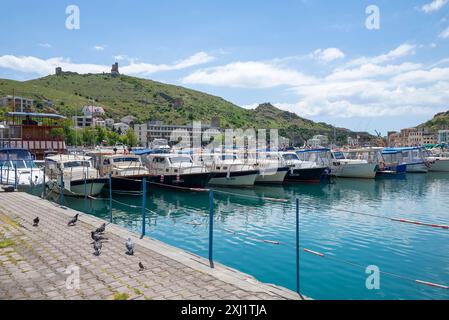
x: 151, y: 100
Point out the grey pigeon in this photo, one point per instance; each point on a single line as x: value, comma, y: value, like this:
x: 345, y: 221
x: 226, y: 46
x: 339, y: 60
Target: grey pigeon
x: 130, y: 247
x: 36, y: 222
x: 97, y: 237
x: 141, y: 266
x: 101, y: 229
x: 97, y: 247
x: 73, y: 221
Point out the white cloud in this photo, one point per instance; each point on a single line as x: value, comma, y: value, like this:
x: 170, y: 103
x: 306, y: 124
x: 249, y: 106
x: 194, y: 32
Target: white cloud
x: 365, y: 87
x: 99, y: 48
x: 39, y: 66
x: 445, y: 33
x: 45, y: 45
x: 147, y: 68
x: 328, y: 55
x: 249, y: 74
x: 400, y: 52
x: 434, y: 6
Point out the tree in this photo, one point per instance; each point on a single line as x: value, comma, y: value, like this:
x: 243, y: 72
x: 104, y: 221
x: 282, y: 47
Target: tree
x: 131, y: 138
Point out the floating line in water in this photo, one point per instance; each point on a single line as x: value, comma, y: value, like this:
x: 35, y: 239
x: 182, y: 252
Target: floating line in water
x: 252, y: 197
x: 179, y: 187
x: 426, y: 224
x: 251, y: 238
x: 395, y: 275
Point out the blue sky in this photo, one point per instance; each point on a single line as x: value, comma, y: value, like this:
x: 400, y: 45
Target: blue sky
x: 316, y: 58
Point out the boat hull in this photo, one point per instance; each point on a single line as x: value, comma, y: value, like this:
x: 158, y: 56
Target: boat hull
x: 270, y: 177
x: 234, y: 178
x: 417, y: 168
x: 440, y: 165
x: 80, y: 188
x: 358, y: 170
x: 191, y: 180
x: 127, y: 184
x: 307, y: 175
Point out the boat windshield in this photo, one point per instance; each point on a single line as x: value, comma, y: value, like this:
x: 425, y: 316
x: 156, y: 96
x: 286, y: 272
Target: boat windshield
x: 126, y: 159
x: 77, y: 163
x: 338, y: 155
x: 15, y: 155
x: 228, y: 157
x: 20, y: 164
x: 290, y: 156
x: 180, y: 160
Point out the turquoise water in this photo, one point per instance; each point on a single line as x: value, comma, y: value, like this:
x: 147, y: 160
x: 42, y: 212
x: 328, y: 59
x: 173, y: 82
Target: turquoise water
x: 413, y: 252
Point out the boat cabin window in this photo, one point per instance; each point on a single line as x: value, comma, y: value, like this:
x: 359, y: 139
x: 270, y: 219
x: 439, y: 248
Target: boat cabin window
x: 158, y: 160
x: 228, y: 157
x: 77, y: 163
x: 290, y: 156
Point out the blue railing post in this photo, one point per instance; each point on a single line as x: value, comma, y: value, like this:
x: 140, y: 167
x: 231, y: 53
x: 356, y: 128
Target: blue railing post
x: 61, y: 190
x: 85, y: 192
x: 297, y: 246
x: 1, y: 174
x: 144, y: 205
x: 110, y: 197
x: 15, y: 176
x: 43, y: 185
x: 211, y: 227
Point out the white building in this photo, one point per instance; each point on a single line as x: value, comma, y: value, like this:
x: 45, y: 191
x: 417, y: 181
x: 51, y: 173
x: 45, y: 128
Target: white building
x: 82, y: 121
x: 120, y: 127
x: 93, y: 111
x: 149, y: 131
x: 109, y: 122
x: 20, y: 104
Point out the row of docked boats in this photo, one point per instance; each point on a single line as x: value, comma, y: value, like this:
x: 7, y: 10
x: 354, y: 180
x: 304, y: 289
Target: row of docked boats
x: 87, y: 173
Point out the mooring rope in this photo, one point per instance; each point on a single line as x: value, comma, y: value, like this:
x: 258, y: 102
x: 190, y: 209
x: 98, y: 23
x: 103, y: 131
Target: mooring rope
x: 252, y: 197
x: 391, y: 274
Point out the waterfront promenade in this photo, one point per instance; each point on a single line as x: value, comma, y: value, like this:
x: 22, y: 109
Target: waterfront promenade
x: 42, y: 262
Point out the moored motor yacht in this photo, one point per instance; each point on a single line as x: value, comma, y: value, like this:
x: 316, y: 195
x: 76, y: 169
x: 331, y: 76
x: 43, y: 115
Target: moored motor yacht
x: 176, y: 170
x: 74, y: 174
x: 17, y: 167
x: 228, y: 170
x: 127, y: 171
x: 439, y: 161
x: 301, y: 171
x: 414, y: 158
x: 271, y: 169
x: 353, y: 164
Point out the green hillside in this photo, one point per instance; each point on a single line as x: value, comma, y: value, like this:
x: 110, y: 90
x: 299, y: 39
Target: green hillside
x: 151, y: 100
x: 439, y: 122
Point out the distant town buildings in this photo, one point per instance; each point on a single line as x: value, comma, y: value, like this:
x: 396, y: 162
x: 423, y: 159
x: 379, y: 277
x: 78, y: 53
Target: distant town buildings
x: 151, y: 130
x: 129, y: 120
x: 318, y: 140
x: 19, y: 104
x: 411, y: 137
x: 92, y: 117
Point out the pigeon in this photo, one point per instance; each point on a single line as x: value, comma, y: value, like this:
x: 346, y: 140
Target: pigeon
x: 141, y: 266
x: 73, y: 221
x: 97, y: 237
x: 130, y: 247
x: 36, y: 222
x: 97, y: 247
x: 101, y: 229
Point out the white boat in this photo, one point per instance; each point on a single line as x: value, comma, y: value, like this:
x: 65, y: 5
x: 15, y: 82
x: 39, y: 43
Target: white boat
x: 177, y: 170
x: 21, y: 162
x: 414, y: 158
x: 79, y: 177
x: 301, y: 170
x: 271, y: 169
x: 160, y: 145
x: 439, y: 161
x: 350, y: 164
x: 228, y: 170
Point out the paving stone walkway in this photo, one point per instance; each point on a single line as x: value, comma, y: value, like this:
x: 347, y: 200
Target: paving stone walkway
x: 42, y: 262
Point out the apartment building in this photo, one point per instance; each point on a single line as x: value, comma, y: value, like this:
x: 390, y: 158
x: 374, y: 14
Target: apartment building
x: 20, y: 104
